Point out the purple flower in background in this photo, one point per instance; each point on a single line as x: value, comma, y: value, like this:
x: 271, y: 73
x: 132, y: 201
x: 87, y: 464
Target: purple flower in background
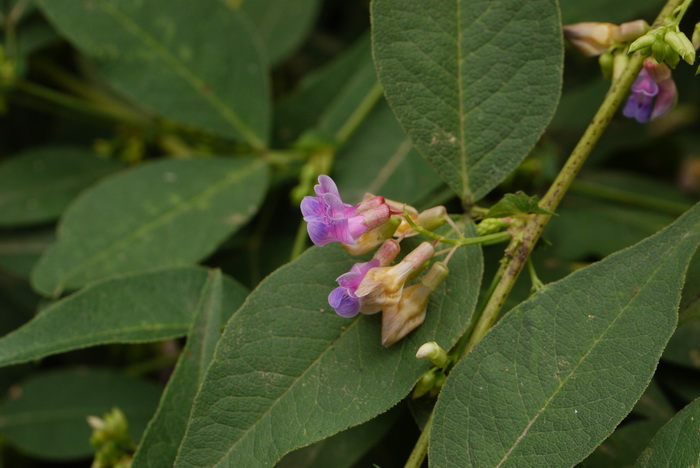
x: 653, y: 93
x: 331, y: 220
x: 343, y: 298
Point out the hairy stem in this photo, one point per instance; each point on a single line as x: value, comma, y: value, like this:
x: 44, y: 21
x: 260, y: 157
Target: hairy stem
x: 519, y: 251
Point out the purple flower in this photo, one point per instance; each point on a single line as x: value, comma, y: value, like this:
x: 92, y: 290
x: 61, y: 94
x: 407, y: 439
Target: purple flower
x: 343, y: 298
x: 331, y: 220
x: 653, y: 93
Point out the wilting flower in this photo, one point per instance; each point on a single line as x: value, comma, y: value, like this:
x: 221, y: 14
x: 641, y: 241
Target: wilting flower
x: 382, y: 287
x: 653, y: 93
x: 331, y: 220
x: 593, y: 38
x: 343, y: 298
x: 402, y: 318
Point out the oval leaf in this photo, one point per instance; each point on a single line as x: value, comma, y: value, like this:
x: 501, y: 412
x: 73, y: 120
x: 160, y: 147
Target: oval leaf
x: 288, y: 371
x: 48, y: 417
x: 37, y: 185
x: 560, y: 371
x: 195, y: 75
x: 138, y: 308
x: 161, y: 214
x: 473, y: 82
x: 677, y: 443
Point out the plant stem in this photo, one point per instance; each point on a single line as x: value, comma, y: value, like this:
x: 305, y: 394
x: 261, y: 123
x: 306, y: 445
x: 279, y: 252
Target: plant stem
x: 520, y: 249
x: 299, y: 241
x: 421, y: 448
x: 485, y: 240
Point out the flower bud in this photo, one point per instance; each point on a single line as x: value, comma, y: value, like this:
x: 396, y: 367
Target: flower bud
x: 431, y: 350
x: 432, y: 218
x: 663, y: 52
x: 400, y: 319
x: 591, y: 38
x: 491, y: 225
x: 630, y: 30
x: 620, y: 62
x: 424, y: 384
x: 373, y: 237
x: 606, y: 64
x: 681, y: 45
x: 696, y: 37
x: 643, y: 42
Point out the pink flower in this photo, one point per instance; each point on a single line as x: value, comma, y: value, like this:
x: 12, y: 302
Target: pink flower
x: 331, y: 220
x: 653, y: 93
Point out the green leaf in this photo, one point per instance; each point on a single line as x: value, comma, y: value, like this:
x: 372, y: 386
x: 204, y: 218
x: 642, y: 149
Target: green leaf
x: 561, y: 370
x: 165, y: 431
x: 195, y: 75
x: 677, y: 443
x: 473, y: 83
x: 327, y: 98
x: 167, y: 213
x: 690, y: 299
x: 380, y: 159
x: 36, y: 186
x: 137, y: 308
x: 47, y: 417
x: 514, y: 204
x: 344, y: 449
x: 288, y: 371
x: 281, y: 24
x: 630, y: 439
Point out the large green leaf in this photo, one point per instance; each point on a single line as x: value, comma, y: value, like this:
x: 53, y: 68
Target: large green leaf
x: 165, y: 431
x: 677, y: 443
x: 166, y: 213
x: 281, y: 24
x: 380, y: 159
x: 46, y: 418
x: 192, y: 62
x: 137, y: 308
x: 473, y: 82
x: 560, y: 371
x: 288, y: 371
x: 36, y: 186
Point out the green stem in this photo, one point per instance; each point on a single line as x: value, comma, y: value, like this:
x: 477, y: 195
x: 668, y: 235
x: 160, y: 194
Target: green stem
x: 520, y: 249
x: 75, y: 104
x: 358, y: 115
x: 415, y: 460
x: 629, y: 198
x: 486, y: 240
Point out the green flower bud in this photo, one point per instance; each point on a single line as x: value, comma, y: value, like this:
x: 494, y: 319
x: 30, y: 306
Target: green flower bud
x: 680, y: 43
x: 491, y: 225
x: 696, y: 37
x: 664, y: 53
x: 643, y: 42
x: 606, y: 64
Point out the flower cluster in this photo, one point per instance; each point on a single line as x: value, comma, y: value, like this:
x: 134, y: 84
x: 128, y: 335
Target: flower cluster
x: 377, y: 285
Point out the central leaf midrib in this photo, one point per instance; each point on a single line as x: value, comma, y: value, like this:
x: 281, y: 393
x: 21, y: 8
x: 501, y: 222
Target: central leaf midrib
x: 197, y: 84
